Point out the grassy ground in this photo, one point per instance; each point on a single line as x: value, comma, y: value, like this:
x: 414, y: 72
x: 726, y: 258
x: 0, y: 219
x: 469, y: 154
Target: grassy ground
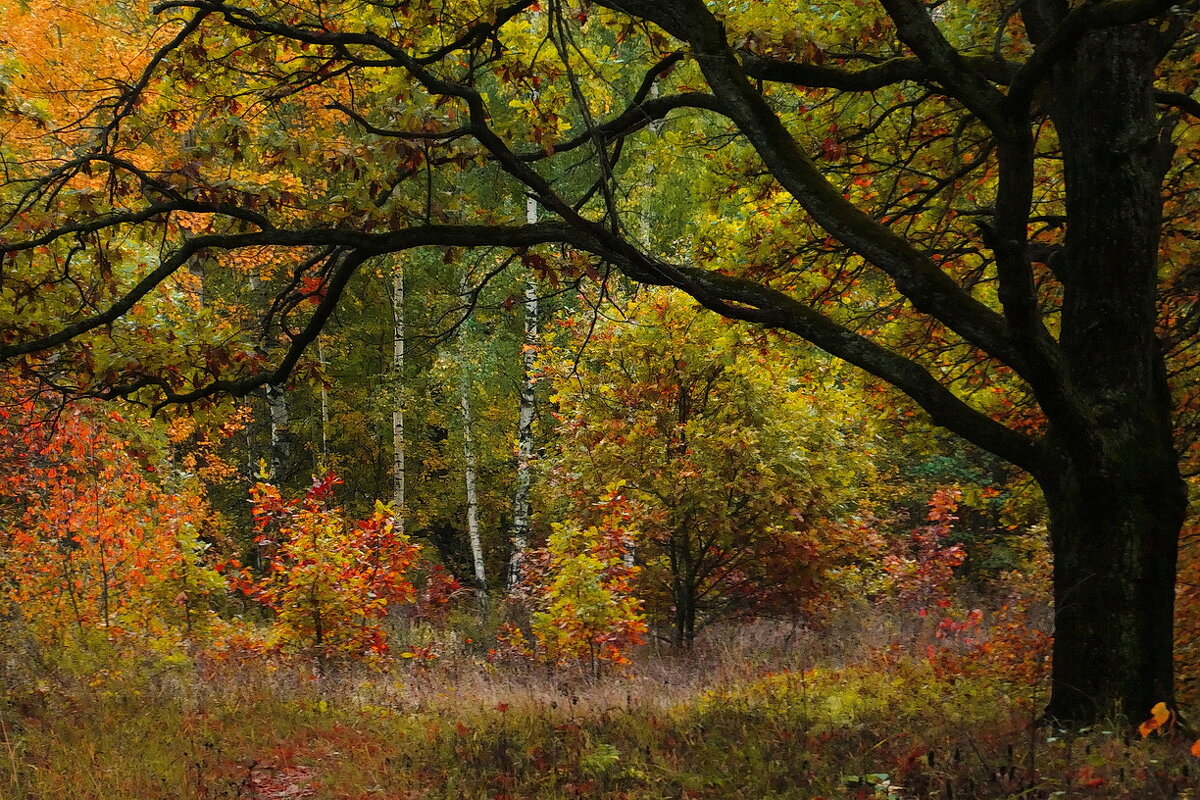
x: 776, y: 717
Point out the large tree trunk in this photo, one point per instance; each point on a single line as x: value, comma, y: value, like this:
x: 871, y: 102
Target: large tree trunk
x: 1113, y: 487
x: 1114, y: 541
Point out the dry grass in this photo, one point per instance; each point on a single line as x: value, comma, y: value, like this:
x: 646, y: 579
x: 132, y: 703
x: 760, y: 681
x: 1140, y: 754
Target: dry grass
x: 757, y: 711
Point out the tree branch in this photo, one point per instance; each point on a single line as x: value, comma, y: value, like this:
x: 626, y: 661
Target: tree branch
x: 1184, y: 102
x: 752, y: 302
x: 928, y: 287
x: 868, y: 79
x: 634, y: 118
x: 916, y: 29
x: 367, y: 244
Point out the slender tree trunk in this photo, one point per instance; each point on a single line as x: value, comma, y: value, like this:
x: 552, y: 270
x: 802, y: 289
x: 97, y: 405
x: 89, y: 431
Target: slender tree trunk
x: 679, y: 622
x: 104, y: 587
x: 525, y: 442
x: 281, y: 447
x: 683, y: 590
x: 470, y: 473
x: 683, y: 632
x: 324, y: 407
x: 279, y: 453
x: 398, y: 333
x: 1113, y: 487
x: 689, y: 622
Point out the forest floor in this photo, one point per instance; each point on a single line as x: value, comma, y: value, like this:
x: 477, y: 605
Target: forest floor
x: 758, y: 713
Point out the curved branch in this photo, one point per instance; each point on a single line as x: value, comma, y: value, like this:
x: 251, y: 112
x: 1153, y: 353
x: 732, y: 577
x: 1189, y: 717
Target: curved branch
x: 1184, y: 102
x: 930, y: 289
x: 634, y: 118
x: 146, y: 214
x: 335, y: 286
x: 867, y: 79
x: 477, y: 34
x: 128, y: 101
x: 367, y: 244
x: 362, y: 122
x: 747, y: 300
x: 113, y: 312
x: 916, y: 29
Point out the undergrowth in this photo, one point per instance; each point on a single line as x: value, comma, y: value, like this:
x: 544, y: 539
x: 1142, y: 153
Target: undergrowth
x: 727, y: 722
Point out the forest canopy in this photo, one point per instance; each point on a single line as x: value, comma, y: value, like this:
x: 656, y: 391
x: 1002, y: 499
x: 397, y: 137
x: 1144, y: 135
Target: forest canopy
x: 413, y: 241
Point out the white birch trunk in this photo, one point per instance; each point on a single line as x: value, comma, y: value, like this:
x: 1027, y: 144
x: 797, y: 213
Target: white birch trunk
x: 470, y: 471
x: 398, y: 450
x: 281, y: 447
x: 522, y: 509
x: 469, y: 474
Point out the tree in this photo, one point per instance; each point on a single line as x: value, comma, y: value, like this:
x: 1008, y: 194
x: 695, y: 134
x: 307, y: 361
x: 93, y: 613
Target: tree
x: 992, y: 210
x: 580, y: 588
x: 329, y: 580
x: 735, y: 459
x: 522, y: 508
x: 97, y: 531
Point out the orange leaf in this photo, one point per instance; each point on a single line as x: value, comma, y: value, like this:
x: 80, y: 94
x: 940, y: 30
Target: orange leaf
x: 1196, y: 749
x: 1159, y: 715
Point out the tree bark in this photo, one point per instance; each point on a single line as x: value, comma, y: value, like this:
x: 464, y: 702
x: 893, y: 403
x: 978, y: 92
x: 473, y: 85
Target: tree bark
x: 398, y: 451
x: 1114, y: 542
x: 470, y: 473
x: 469, y: 476
x: 1112, y: 483
x: 281, y: 439
x: 525, y: 442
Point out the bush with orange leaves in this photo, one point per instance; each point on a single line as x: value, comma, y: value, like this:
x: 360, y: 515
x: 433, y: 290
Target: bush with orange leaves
x: 98, y: 542
x: 330, y: 581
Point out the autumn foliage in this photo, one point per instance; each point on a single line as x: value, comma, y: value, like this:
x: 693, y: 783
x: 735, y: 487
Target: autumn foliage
x: 581, y: 588
x: 97, y: 536
x: 205, y: 200
x: 737, y: 469
x: 330, y: 581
